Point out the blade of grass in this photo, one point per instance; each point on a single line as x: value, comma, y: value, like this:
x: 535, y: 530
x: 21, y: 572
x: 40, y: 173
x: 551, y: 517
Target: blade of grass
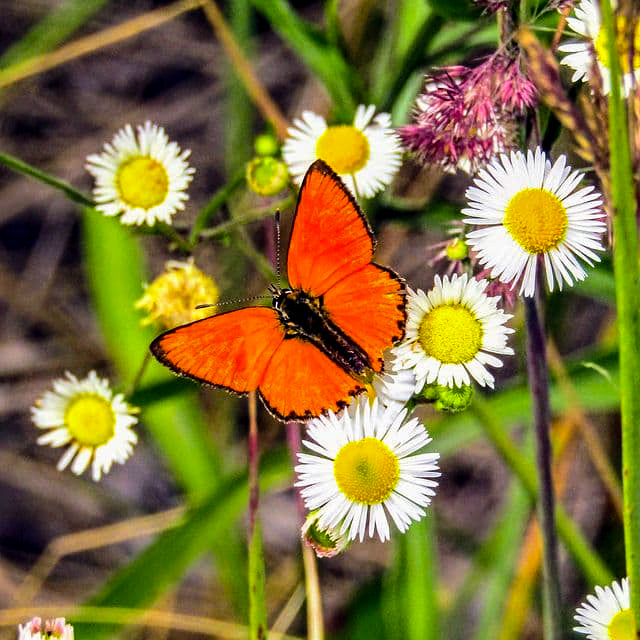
x: 411, y: 580
x: 163, y: 563
x: 625, y: 258
x: 50, y: 31
x: 313, y: 48
x: 583, y: 553
x: 93, y: 42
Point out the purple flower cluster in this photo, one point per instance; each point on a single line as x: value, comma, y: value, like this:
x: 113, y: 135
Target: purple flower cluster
x: 467, y: 115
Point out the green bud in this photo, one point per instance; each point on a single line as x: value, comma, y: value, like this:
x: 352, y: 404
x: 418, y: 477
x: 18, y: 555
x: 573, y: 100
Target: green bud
x: 325, y: 542
x: 265, y: 145
x: 457, y: 250
x: 267, y: 175
x: 454, y: 399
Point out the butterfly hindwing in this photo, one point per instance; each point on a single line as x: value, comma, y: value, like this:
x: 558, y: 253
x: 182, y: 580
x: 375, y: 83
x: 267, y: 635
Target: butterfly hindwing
x: 369, y: 306
x: 301, y: 382
x: 330, y: 238
x: 230, y: 350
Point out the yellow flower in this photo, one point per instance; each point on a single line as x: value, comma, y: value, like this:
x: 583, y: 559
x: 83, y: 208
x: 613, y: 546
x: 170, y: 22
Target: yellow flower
x: 173, y: 297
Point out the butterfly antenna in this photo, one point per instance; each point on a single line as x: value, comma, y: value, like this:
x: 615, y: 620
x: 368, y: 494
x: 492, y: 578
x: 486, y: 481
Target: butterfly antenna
x: 236, y: 301
x: 277, y: 247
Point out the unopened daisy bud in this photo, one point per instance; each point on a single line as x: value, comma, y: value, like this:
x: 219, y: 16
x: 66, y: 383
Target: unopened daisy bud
x: 457, y: 249
x: 140, y: 175
x: 327, y: 542
x: 53, y: 630
x: 173, y: 297
x: 266, y: 145
x: 86, y: 416
x: 451, y: 399
x: 267, y: 175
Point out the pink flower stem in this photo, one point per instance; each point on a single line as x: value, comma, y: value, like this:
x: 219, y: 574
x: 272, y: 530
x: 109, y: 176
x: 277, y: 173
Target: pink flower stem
x: 539, y: 387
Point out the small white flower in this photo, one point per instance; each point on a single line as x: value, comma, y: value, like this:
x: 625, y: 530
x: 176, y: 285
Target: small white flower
x: 607, y: 615
x: 51, y: 630
x: 366, y: 154
x: 87, y: 416
x: 452, y: 331
x: 529, y: 211
x: 587, y: 24
x: 144, y: 178
x: 365, y: 468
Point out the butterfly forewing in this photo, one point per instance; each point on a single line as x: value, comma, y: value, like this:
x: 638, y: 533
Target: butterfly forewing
x: 330, y: 238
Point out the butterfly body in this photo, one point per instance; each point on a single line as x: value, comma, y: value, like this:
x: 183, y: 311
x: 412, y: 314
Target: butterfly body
x: 303, y: 316
x: 312, y: 350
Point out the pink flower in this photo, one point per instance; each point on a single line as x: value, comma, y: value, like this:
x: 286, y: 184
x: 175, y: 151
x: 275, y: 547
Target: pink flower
x: 465, y: 116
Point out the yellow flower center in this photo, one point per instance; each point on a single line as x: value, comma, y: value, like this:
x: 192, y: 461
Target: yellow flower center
x: 366, y: 471
x: 536, y: 219
x: 90, y: 419
x: 142, y: 182
x: 621, y: 626
x: 344, y: 148
x: 450, y: 333
x: 621, y: 46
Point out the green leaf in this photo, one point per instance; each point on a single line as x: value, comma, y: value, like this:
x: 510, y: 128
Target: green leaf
x: 412, y: 579
x: 165, y: 561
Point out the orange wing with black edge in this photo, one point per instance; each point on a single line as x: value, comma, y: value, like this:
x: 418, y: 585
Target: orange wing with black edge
x: 230, y: 350
x: 301, y: 382
x: 330, y: 238
x: 370, y: 307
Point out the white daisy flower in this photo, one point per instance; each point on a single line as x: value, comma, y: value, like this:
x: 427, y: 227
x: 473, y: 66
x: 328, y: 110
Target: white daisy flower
x: 607, y: 615
x: 51, y: 630
x: 396, y: 385
x: 530, y: 212
x: 144, y: 178
x: 452, y: 331
x: 365, y: 467
x: 366, y: 154
x: 587, y: 23
x: 87, y: 416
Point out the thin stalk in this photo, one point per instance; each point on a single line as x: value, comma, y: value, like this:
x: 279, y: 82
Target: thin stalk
x: 625, y: 261
x: 586, y: 558
x: 539, y: 386
x: 315, y: 621
x: 28, y: 170
x: 257, y: 604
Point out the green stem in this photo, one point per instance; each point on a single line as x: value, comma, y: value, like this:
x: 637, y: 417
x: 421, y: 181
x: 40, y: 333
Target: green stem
x: 257, y: 603
x: 584, y: 555
x: 216, y: 201
x: 625, y: 260
x: 26, y: 169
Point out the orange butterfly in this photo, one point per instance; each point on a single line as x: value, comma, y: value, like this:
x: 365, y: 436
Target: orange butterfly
x: 313, y: 349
